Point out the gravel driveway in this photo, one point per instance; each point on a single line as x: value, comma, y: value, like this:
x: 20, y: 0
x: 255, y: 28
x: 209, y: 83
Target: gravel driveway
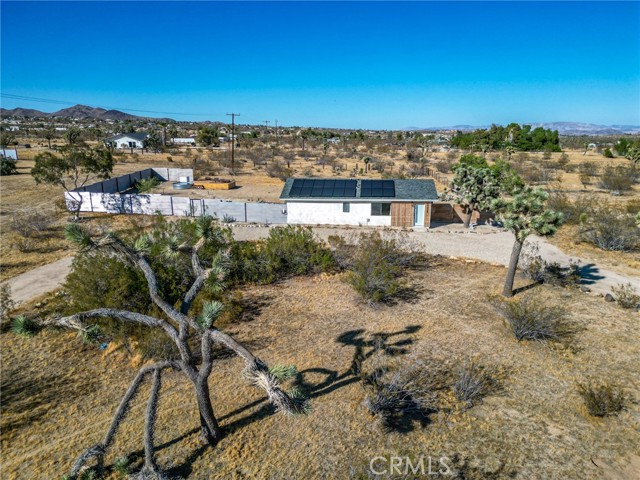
x: 485, y: 243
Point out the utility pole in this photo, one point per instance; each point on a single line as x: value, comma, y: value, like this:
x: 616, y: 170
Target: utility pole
x: 276, y: 131
x: 233, y: 137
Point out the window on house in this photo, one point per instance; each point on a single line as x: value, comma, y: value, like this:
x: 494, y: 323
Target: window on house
x: 346, y: 207
x: 380, y: 209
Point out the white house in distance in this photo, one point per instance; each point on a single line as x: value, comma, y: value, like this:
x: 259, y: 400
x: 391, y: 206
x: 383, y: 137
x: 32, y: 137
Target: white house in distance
x: 127, y: 140
x: 397, y: 203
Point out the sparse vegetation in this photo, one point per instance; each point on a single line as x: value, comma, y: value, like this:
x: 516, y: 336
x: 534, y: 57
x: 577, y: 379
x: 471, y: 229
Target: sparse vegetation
x: 602, y: 400
x: 531, y: 318
x: 626, y: 295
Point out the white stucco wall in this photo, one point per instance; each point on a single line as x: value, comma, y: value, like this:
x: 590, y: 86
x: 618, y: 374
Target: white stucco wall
x: 330, y: 213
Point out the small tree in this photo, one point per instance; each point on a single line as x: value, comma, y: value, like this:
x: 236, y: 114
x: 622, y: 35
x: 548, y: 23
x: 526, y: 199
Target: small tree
x: 7, y: 166
x: 474, y: 188
x: 49, y: 134
x: 193, y: 336
x: 208, y: 136
x: 72, y: 169
x: 525, y: 214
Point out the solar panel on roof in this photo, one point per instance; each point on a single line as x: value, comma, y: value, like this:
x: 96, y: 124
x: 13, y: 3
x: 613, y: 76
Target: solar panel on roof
x: 377, y: 189
x: 323, y: 188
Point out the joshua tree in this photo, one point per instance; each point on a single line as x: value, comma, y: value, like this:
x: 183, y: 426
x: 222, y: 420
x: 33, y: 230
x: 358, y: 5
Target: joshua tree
x: 193, y: 337
x: 72, y: 169
x: 474, y: 188
x: 525, y: 214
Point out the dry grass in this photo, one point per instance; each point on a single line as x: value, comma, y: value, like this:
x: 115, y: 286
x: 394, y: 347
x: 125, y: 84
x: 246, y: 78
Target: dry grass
x: 58, y: 395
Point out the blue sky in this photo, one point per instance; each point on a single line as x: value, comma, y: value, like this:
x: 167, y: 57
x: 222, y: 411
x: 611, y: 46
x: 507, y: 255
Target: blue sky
x: 342, y: 65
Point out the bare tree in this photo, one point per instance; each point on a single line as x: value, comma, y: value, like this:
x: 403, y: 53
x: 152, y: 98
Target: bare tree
x: 194, y: 337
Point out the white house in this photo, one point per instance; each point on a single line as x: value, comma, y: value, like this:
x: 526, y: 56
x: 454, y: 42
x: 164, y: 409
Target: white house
x: 399, y: 203
x: 127, y: 140
x: 183, y: 141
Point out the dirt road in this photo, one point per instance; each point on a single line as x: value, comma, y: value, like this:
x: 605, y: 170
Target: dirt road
x: 485, y: 244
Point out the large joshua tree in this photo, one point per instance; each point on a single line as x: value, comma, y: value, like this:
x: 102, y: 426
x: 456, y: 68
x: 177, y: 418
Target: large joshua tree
x: 193, y: 336
x: 474, y: 188
x: 524, y: 214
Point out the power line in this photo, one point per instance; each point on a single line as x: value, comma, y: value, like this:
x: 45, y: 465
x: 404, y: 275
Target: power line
x: 64, y: 102
x: 233, y: 136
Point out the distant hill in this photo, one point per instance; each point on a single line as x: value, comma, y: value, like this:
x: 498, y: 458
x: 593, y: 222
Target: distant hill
x: 79, y: 112
x: 563, y: 128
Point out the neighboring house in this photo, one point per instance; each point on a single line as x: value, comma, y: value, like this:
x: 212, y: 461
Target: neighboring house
x: 9, y: 154
x: 183, y: 141
x: 399, y: 203
x: 127, y: 140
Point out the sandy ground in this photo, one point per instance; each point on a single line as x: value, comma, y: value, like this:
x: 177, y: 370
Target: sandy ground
x: 59, y: 395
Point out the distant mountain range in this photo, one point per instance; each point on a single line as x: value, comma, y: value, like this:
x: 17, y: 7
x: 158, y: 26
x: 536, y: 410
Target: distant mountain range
x: 563, y: 128
x: 78, y: 112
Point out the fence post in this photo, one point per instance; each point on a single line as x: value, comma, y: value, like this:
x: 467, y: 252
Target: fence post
x: 90, y: 202
x: 171, y: 198
x: 117, y: 185
x: 245, y: 212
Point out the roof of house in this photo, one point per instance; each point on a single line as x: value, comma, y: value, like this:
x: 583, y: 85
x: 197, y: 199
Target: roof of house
x: 140, y: 136
x: 307, y: 189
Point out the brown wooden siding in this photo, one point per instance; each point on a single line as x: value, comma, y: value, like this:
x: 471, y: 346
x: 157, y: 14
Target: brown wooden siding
x: 427, y: 214
x: 448, y: 213
x: 402, y: 215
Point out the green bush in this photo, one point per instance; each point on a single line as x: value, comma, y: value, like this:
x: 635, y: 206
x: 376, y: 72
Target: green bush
x: 376, y: 264
x: 7, y: 167
x: 602, y: 400
x: 290, y: 250
x: 147, y: 184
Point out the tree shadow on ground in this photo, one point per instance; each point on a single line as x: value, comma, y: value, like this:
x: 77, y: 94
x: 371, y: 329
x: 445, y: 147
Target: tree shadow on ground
x: 365, y: 345
x: 589, y: 274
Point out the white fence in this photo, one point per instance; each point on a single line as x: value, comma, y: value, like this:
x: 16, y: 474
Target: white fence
x: 107, y: 197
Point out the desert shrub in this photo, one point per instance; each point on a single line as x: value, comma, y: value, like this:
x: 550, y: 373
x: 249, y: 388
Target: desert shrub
x: 376, y: 264
x: 607, y: 153
x: 616, y: 179
x: 227, y: 219
x: 290, y: 250
x: 603, y: 399
x: 276, y: 169
x: 7, y: 167
x: 296, y: 250
x: 572, y: 209
x: 611, y: 230
x: 633, y: 206
x: 394, y: 397
x: 535, y: 268
x: 590, y: 169
x: 6, y: 302
x: 626, y: 295
x: 531, y: 318
x: 28, y: 223
x: 25, y: 245
x: 145, y: 185
x: 473, y: 382
x: 444, y: 164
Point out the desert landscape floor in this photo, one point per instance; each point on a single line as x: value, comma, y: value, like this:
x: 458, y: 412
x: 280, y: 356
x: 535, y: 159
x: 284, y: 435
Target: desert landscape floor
x: 59, y: 394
